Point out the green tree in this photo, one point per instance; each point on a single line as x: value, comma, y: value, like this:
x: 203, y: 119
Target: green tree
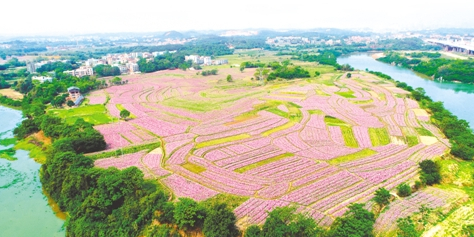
x: 188, y: 214
x: 117, y: 80
x: 229, y: 78
x: 382, y: 197
x: 406, y: 228
x: 355, y: 222
x: 430, y: 172
x: 220, y: 222
x: 124, y: 114
x: 349, y: 75
x: 70, y: 103
x: 317, y: 73
x: 253, y: 231
x: 404, y: 190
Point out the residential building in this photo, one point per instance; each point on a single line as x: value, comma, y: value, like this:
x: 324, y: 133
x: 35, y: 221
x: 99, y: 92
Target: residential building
x: 80, y: 72
x: 42, y: 79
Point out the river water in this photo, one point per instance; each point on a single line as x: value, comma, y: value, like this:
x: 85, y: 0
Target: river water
x: 457, y: 98
x: 24, y: 209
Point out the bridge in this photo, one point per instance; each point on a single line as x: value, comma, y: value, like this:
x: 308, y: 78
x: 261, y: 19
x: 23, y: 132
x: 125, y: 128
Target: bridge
x: 460, y: 47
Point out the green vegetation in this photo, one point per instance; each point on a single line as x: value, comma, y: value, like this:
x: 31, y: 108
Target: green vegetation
x: 232, y: 201
x: 403, y: 190
x: 124, y: 114
x: 127, y: 150
x: 222, y: 140
x: 424, y: 54
x: 331, y: 121
x: 412, y: 140
x: 430, y: 172
x: 353, y: 156
x: 209, y: 72
x: 357, y: 221
x: 194, y: 168
x: 349, y: 138
x: 277, y: 129
x: 106, y: 70
x: 382, y: 197
x: 95, y: 114
x: 36, y: 148
x: 379, y: 136
x: 163, y: 62
x: 189, y: 214
x: 263, y: 162
x: 282, y: 221
x: 406, y: 228
x: 7, y: 141
x: 346, y: 94
x: 448, y: 69
x: 8, y: 154
x: 424, y: 132
x: 220, y: 222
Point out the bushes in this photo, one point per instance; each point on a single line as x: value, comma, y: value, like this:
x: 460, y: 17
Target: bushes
x: 430, y: 172
x: 382, y: 197
x: 404, y: 190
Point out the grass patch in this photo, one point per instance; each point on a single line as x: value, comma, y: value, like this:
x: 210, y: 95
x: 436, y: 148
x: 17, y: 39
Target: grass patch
x: 316, y: 111
x: 263, y: 162
x: 349, y: 138
x: 346, y: 94
x: 8, y: 154
x: 332, y: 121
x: 232, y: 201
x: 412, y: 140
x: 95, y: 114
x: 194, y: 168
x: 126, y: 150
x: 278, y: 112
x: 353, y: 156
x: 7, y: 141
x: 361, y: 101
x: 379, y: 136
x: 277, y: 129
x: 120, y: 108
x: 222, y: 140
x: 424, y: 132
x: 35, y: 147
x: 321, y: 93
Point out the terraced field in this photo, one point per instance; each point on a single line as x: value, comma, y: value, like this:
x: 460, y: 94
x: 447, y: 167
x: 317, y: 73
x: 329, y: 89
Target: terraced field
x: 303, y: 143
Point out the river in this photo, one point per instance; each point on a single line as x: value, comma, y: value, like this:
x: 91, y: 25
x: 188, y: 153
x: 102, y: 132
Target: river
x: 24, y: 209
x: 456, y: 97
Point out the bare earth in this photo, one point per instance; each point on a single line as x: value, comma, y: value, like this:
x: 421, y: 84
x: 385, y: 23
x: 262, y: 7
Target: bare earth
x: 10, y: 93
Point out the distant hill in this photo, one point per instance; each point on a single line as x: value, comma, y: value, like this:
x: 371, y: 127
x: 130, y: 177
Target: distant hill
x: 173, y: 35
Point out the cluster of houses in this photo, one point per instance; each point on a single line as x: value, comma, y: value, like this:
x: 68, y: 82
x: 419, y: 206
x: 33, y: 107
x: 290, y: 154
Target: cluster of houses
x: 205, y: 60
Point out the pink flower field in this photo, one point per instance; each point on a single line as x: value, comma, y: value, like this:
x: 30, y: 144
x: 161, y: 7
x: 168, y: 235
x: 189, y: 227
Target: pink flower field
x: 303, y: 150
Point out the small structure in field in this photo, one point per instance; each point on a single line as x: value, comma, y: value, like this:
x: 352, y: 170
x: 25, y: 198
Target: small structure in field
x: 75, y: 95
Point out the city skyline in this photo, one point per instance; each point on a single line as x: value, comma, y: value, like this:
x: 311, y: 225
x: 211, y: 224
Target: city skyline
x: 51, y: 17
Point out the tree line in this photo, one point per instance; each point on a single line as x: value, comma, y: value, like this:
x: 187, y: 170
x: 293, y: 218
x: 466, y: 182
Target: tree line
x: 447, y: 69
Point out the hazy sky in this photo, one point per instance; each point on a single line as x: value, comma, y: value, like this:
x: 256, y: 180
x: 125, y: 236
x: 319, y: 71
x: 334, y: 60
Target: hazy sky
x: 32, y: 17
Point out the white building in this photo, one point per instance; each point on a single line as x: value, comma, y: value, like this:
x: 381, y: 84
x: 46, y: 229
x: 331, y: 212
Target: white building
x: 42, y: 79
x: 80, y: 72
x: 133, y: 67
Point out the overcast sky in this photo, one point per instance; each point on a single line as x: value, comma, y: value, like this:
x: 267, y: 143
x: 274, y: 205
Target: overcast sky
x: 34, y: 17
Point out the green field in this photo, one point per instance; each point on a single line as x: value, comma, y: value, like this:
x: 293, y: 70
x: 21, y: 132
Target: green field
x: 349, y: 138
x: 282, y: 127
x: 194, y: 168
x: 95, y: 114
x: 222, y: 140
x: 424, y: 132
x: 412, y: 140
x: 353, y: 156
x: 379, y: 136
x: 346, y: 94
x: 263, y: 162
x: 331, y: 121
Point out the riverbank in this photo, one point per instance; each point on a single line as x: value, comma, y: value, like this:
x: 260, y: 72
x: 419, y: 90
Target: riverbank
x: 25, y: 210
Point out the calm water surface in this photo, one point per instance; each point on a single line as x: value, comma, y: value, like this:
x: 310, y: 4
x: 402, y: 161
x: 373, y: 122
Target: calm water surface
x: 457, y: 98
x: 24, y: 209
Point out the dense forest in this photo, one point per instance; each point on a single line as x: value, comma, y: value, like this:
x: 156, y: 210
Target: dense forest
x: 325, y: 57
x: 106, y: 70
x: 163, y: 62
x: 447, y: 69
x: 285, y: 70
